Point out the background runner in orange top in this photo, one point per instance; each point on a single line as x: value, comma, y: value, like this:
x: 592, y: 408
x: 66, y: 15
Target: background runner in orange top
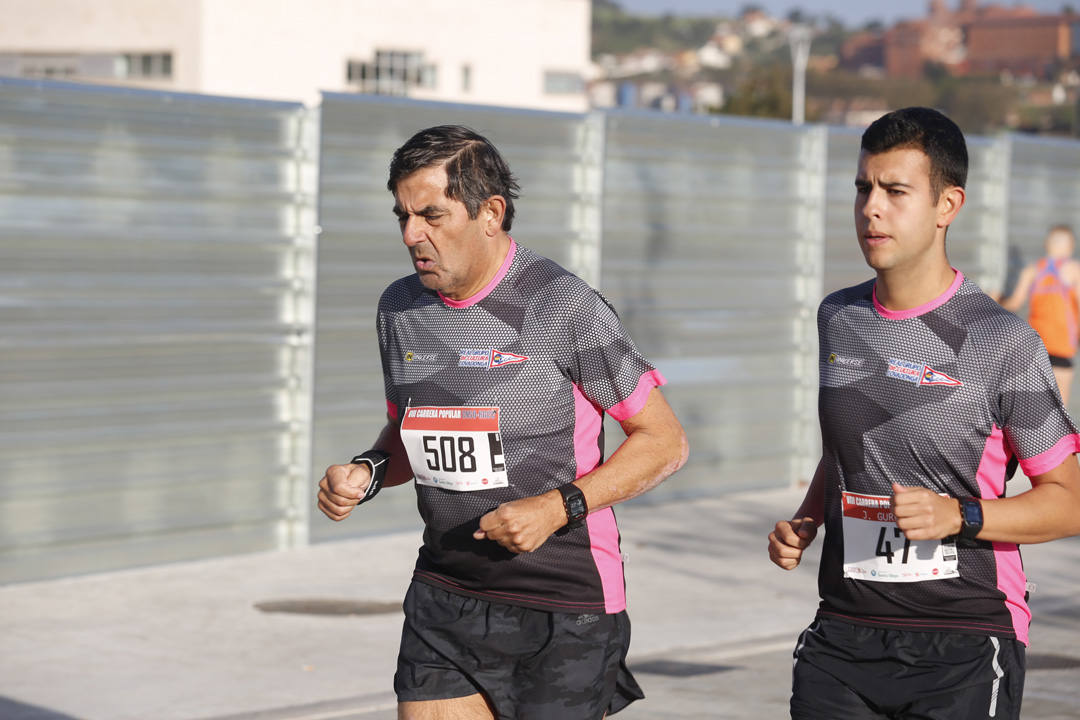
x: 1049, y: 286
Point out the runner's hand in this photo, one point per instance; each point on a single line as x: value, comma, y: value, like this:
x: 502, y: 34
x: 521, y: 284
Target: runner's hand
x: 341, y: 489
x: 523, y: 525
x: 789, y: 539
x: 923, y: 514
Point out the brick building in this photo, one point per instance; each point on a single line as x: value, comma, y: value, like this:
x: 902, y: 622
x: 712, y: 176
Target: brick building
x: 1023, y: 46
x: 971, y: 39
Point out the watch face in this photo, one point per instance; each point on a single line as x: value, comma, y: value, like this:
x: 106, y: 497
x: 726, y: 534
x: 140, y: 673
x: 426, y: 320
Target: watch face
x: 576, y: 506
x: 972, y: 513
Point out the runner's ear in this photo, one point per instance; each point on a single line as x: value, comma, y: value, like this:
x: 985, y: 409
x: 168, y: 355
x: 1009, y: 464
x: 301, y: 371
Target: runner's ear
x: 492, y: 212
x: 949, y: 204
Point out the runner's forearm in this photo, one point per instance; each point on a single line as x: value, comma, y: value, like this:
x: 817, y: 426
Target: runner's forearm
x: 813, y: 504
x: 1050, y: 510
x: 655, y: 447
x: 398, y: 471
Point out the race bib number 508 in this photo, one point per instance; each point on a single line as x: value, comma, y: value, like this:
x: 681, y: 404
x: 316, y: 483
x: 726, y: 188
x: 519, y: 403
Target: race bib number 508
x: 456, y: 448
x: 875, y: 549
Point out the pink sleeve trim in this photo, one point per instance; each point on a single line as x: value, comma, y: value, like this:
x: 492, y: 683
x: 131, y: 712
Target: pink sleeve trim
x: 632, y: 405
x: 391, y: 410
x: 922, y: 309
x: 1046, y: 461
x: 486, y: 290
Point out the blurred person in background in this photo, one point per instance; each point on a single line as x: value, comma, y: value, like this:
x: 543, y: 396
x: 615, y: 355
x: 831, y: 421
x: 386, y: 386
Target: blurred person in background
x: 1049, y: 287
x: 498, y: 367
x: 928, y: 390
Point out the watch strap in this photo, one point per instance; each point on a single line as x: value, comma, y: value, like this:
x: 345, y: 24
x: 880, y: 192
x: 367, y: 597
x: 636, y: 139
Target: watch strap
x: 971, y: 517
x: 574, y: 504
x: 377, y: 462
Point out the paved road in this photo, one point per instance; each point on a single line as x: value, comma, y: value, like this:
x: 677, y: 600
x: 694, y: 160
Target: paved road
x: 714, y: 625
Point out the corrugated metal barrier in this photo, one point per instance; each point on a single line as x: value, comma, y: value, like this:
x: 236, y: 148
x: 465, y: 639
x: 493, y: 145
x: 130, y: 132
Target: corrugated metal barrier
x: 155, y: 305
x: 180, y: 364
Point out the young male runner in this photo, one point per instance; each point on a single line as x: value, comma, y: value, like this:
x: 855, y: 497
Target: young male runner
x: 498, y: 368
x: 929, y: 389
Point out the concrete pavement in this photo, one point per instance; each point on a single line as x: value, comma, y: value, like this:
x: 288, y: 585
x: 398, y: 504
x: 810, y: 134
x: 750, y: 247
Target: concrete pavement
x: 312, y: 634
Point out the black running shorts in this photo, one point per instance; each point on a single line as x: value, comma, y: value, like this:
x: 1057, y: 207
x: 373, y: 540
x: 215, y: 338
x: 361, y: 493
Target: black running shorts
x: 527, y: 663
x: 1061, y: 362
x: 863, y: 673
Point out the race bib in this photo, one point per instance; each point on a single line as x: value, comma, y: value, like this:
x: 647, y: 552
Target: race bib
x: 876, y: 550
x: 455, y: 448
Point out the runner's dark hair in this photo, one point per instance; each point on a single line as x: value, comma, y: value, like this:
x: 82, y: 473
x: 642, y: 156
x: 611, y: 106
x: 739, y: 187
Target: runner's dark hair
x: 474, y: 168
x: 925, y: 129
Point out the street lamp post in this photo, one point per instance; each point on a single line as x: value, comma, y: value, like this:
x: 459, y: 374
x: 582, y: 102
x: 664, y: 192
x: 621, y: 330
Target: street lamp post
x: 799, y: 40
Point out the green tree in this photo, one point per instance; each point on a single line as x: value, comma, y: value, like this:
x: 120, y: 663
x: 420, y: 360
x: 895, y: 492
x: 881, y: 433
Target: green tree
x: 764, y: 92
x: 977, y: 106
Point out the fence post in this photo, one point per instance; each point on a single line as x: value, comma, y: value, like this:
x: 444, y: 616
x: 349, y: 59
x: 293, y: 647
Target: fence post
x: 812, y: 168
x: 993, y: 253
x: 294, y: 529
x: 587, y: 249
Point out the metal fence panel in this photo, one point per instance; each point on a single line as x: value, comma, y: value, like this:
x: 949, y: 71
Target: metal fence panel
x: 556, y: 158
x: 158, y: 296
x: 712, y: 255
x: 154, y: 317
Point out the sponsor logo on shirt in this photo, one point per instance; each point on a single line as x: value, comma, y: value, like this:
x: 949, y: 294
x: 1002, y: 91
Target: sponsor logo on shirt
x: 411, y: 357
x: 835, y: 359
x: 919, y: 374
x: 489, y: 358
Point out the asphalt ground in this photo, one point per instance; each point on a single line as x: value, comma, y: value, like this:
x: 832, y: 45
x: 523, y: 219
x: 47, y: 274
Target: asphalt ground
x: 312, y: 634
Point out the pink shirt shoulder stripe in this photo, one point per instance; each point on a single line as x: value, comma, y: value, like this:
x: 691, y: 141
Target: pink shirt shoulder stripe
x: 1011, y: 581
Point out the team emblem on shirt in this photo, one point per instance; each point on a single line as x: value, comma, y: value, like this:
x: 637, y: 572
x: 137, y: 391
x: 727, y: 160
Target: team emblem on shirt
x: 919, y: 374
x: 489, y: 358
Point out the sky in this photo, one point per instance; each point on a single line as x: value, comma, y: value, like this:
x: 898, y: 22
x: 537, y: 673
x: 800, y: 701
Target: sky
x: 854, y: 13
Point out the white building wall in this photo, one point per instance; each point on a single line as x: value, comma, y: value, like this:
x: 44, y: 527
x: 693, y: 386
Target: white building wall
x: 292, y: 49
x: 100, y: 26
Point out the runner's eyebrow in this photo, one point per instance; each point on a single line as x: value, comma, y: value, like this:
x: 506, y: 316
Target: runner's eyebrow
x: 424, y: 211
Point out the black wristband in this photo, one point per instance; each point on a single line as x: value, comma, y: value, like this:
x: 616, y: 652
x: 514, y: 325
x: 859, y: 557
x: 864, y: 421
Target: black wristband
x: 376, y: 460
x: 574, y: 504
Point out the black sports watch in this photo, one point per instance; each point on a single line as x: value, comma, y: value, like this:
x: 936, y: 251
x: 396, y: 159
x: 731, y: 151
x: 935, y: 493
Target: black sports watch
x: 971, y: 517
x: 574, y: 502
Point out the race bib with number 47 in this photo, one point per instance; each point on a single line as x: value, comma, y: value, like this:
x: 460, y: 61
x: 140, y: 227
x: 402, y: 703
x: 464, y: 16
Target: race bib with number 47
x: 876, y: 550
x: 455, y: 448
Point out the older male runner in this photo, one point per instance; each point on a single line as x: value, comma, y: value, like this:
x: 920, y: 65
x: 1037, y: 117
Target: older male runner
x: 929, y: 390
x: 499, y: 366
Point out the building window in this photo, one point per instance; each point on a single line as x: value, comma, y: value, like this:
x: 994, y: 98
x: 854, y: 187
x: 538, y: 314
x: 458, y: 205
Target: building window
x: 563, y: 83
x: 145, y: 65
x: 87, y: 65
x: 466, y: 78
x: 44, y: 65
x: 392, y: 72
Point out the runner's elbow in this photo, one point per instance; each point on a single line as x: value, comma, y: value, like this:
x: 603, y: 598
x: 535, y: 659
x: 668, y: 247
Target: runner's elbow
x: 680, y: 451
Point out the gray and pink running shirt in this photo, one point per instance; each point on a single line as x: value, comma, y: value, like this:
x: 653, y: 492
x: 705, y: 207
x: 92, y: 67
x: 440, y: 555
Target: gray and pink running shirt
x: 947, y: 396
x: 501, y: 396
